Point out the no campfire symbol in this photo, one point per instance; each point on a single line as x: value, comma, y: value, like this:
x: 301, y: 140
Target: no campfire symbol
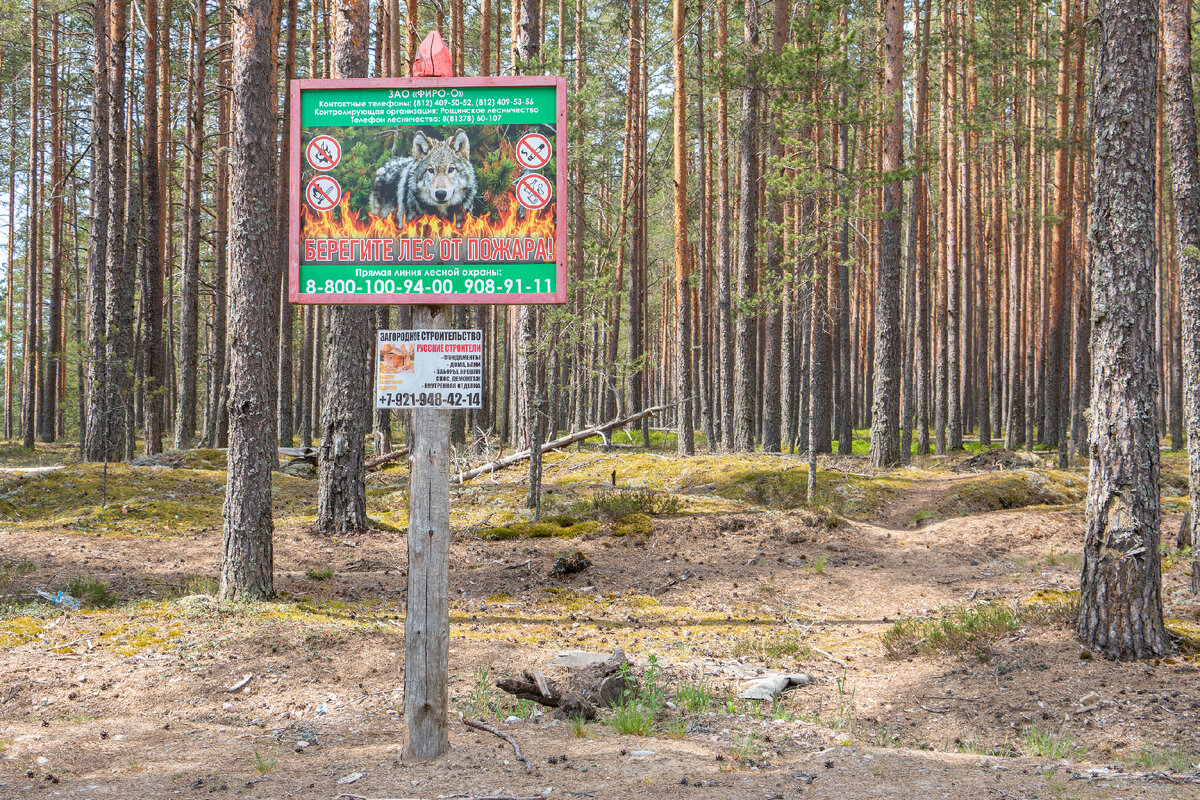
x: 323, y: 193
x: 534, y: 191
x: 323, y: 152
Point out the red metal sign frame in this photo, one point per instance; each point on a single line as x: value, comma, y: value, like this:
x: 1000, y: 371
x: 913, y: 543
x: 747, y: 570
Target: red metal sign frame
x: 297, y: 155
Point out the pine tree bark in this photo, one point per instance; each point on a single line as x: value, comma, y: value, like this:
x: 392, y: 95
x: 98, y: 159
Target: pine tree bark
x: 725, y: 355
x: 10, y: 341
x: 1120, y: 602
x: 247, y: 556
x: 745, y: 350
x: 1185, y: 192
x: 285, y: 402
x: 1057, y: 361
x: 119, y: 280
x: 885, y: 416
x: 345, y: 419
x: 29, y: 382
x: 48, y: 409
x: 683, y: 334
x: 152, y: 265
x: 216, y: 418
x: 189, y: 287
x: 95, y: 444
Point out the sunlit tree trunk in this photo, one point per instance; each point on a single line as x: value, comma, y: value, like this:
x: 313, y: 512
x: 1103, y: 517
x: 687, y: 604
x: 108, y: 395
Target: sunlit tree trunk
x: 1120, y: 603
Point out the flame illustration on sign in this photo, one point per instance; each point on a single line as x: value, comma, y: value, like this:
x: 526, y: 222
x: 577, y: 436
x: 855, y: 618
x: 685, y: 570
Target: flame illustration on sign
x: 343, y: 223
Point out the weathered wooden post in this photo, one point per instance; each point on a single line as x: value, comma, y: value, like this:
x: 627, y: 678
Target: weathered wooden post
x: 427, y: 622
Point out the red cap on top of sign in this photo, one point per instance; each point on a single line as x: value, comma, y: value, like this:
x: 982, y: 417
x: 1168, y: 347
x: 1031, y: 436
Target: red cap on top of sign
x: 433, y: 59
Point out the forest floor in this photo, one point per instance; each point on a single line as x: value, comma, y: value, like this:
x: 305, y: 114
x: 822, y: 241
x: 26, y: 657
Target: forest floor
x: 933, y: 605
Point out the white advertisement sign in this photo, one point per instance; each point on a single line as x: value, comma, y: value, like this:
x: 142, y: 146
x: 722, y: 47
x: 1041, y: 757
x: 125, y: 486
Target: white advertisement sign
x: 429, y: 369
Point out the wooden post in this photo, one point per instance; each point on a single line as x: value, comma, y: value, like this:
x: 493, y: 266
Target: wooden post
x: 427, y: 624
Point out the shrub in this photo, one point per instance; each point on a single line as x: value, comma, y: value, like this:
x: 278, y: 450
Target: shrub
x: 91, y: 592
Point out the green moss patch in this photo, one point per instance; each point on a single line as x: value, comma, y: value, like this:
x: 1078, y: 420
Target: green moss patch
x: 557, y: 527
x: 634, y: 525
x: 130, y: 501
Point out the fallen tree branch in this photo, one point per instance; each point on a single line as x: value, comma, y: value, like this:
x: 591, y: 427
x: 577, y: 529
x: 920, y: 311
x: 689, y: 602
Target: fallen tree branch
x: 832, y: 658
x: 565, y: 441
x: 483, y: 726
x: 386, y: 458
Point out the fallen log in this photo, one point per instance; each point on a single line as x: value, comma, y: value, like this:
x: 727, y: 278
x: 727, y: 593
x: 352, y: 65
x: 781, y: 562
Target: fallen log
x: 532, y: 685
x: 386, y: 458
x: 565, y: 441
x: 585, y: 691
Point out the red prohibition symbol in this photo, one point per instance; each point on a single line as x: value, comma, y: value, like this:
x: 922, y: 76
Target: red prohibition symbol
x: 534, y: 151
x: 534, y: 191
x: 323, y: 152
x: 322, y: 193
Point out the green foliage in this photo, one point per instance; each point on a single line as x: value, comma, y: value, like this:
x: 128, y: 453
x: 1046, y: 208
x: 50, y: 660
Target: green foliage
x: 1048, y: 744
x: 772, y: 649
x: 957, y: 631
x: 844, y: 721
x: 1157, y: 758
x: 613, y: 506
x: 264, y: 763
x: 195, y: 584
x: 16, y: 569
x: 694, y: 698
x: 639, y: 707
x: 578, y: 726
x: 320, y: 574
x: 745, y: 747
x: 90, y: 592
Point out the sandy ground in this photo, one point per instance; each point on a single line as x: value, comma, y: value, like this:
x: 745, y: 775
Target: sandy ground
x: 132, y: 701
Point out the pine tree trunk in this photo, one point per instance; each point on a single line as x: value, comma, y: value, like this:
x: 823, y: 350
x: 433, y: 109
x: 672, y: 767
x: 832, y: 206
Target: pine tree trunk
x: 189, y: 288
x: 119, y: 284
x: 152, y: 265
x: 29, y: 382
x: 9, y: 332
x: 1057, y: 363
x: 48, y: 410
x: 683, y: 334
x: 216, y: 418
x: 1185, y: 191
x: 247, y: 557
x: 285, y: 403
x: 342, y: 496
x: 1120, y: 604
x: 95, y: 444
x: 885, y: 416
x: 745, y: 350
x: 725, y: 356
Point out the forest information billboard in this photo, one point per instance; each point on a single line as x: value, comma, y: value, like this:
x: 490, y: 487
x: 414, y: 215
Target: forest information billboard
x: 428, y: 190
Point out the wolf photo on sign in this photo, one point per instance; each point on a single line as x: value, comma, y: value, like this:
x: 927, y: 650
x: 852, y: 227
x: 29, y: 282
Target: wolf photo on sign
x: 435, y: 203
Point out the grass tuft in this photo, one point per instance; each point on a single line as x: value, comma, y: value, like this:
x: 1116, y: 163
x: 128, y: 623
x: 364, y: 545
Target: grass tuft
x: 1155, y: 758
x: 1048, y: 744
x: 320, y: 574
x: 957, y: 631
x: 694, y: 698
x: 264, y: 762
x: 90, y: 592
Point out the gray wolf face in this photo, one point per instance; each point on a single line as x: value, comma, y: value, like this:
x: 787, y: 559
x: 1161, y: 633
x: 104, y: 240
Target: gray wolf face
x: 435, y: 179
x: 441, y: 169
